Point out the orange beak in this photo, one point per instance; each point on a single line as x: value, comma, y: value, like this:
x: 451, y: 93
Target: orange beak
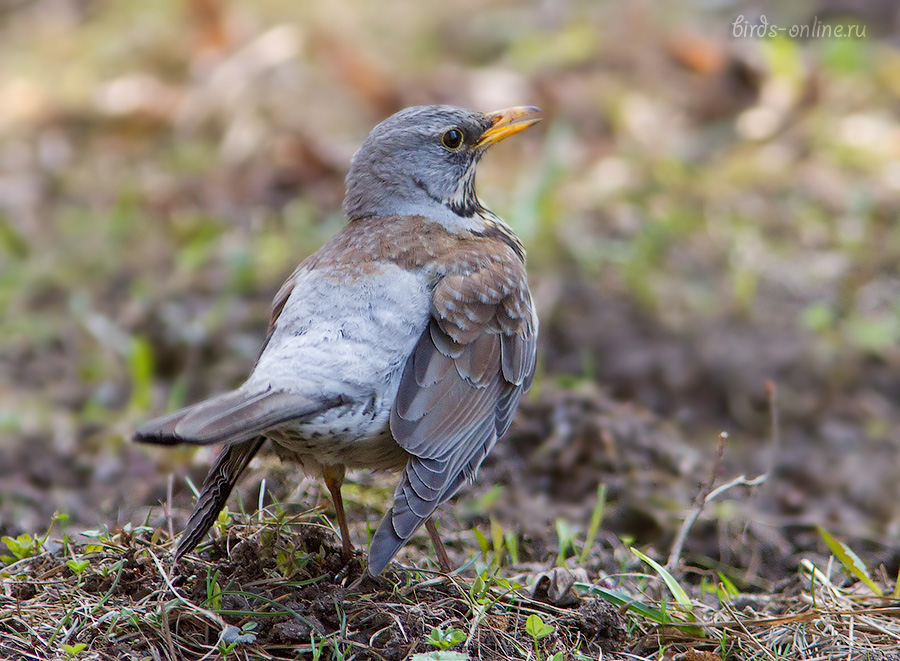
x: 508, y: 122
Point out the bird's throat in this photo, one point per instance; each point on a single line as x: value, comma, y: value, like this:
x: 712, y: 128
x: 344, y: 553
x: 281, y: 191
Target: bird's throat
x: 463, y: 201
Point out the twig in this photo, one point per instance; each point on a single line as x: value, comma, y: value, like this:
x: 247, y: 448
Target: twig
x: 739, y: 481
x: 775, y: 447
x: 697, y: 507
x: 746, y: 631
x: 164, y: 625
x: 707, y: 493
x: 209, y: 615
x: 168, y: 506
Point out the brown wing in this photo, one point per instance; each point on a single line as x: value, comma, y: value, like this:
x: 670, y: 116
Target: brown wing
x: 459, y: 391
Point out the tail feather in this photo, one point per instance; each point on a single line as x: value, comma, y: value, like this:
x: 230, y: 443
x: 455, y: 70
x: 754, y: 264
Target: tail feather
x: 239, y: 419
x: 234, y: 417
x: 217, y: 486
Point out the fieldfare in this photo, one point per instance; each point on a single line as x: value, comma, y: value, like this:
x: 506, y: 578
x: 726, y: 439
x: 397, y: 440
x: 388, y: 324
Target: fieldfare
x: 405, y: 342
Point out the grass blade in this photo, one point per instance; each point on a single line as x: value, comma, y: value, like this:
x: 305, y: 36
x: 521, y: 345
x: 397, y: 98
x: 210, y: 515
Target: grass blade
x: 849, y: 559
x: 681, y: 597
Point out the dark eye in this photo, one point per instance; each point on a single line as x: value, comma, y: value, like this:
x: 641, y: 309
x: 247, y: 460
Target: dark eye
x: 452, y: 139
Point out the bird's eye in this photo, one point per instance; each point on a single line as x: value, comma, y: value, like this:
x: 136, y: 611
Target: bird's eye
x: 452, y: 139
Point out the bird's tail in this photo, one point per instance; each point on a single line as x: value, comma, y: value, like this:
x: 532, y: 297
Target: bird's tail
x: 239, y: 419
x: 234, y: 417
x: 217, y: 486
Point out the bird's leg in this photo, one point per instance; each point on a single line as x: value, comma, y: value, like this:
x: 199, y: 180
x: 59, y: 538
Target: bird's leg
x: 440, y: 551
x: 334, y: 478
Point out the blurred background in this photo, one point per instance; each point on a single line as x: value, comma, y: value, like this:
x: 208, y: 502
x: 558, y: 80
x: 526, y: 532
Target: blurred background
x: 710, y: 214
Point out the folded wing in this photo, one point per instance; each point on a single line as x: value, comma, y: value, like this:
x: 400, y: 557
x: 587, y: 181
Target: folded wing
x: 458, y: 393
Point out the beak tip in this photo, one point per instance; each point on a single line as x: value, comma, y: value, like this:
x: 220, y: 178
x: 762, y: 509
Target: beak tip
x: 509, y: 121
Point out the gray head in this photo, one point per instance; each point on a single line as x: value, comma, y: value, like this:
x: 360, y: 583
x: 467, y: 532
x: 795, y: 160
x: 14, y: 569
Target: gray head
x: 421, y: 161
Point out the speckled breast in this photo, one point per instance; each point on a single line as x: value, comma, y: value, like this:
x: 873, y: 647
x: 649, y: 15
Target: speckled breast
x: 353, y: 435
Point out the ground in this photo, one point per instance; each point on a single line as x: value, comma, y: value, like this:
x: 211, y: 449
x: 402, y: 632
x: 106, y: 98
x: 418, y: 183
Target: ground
x: 713, y: 248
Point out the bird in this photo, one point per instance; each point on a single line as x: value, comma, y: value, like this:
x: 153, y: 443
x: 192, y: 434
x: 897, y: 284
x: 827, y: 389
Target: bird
x: 404, y: 344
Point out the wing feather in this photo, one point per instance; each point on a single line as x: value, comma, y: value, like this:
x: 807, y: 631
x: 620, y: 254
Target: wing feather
x: 458, y: 393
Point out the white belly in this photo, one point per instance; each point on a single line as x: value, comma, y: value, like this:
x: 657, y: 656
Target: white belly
x: 347, y: 338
